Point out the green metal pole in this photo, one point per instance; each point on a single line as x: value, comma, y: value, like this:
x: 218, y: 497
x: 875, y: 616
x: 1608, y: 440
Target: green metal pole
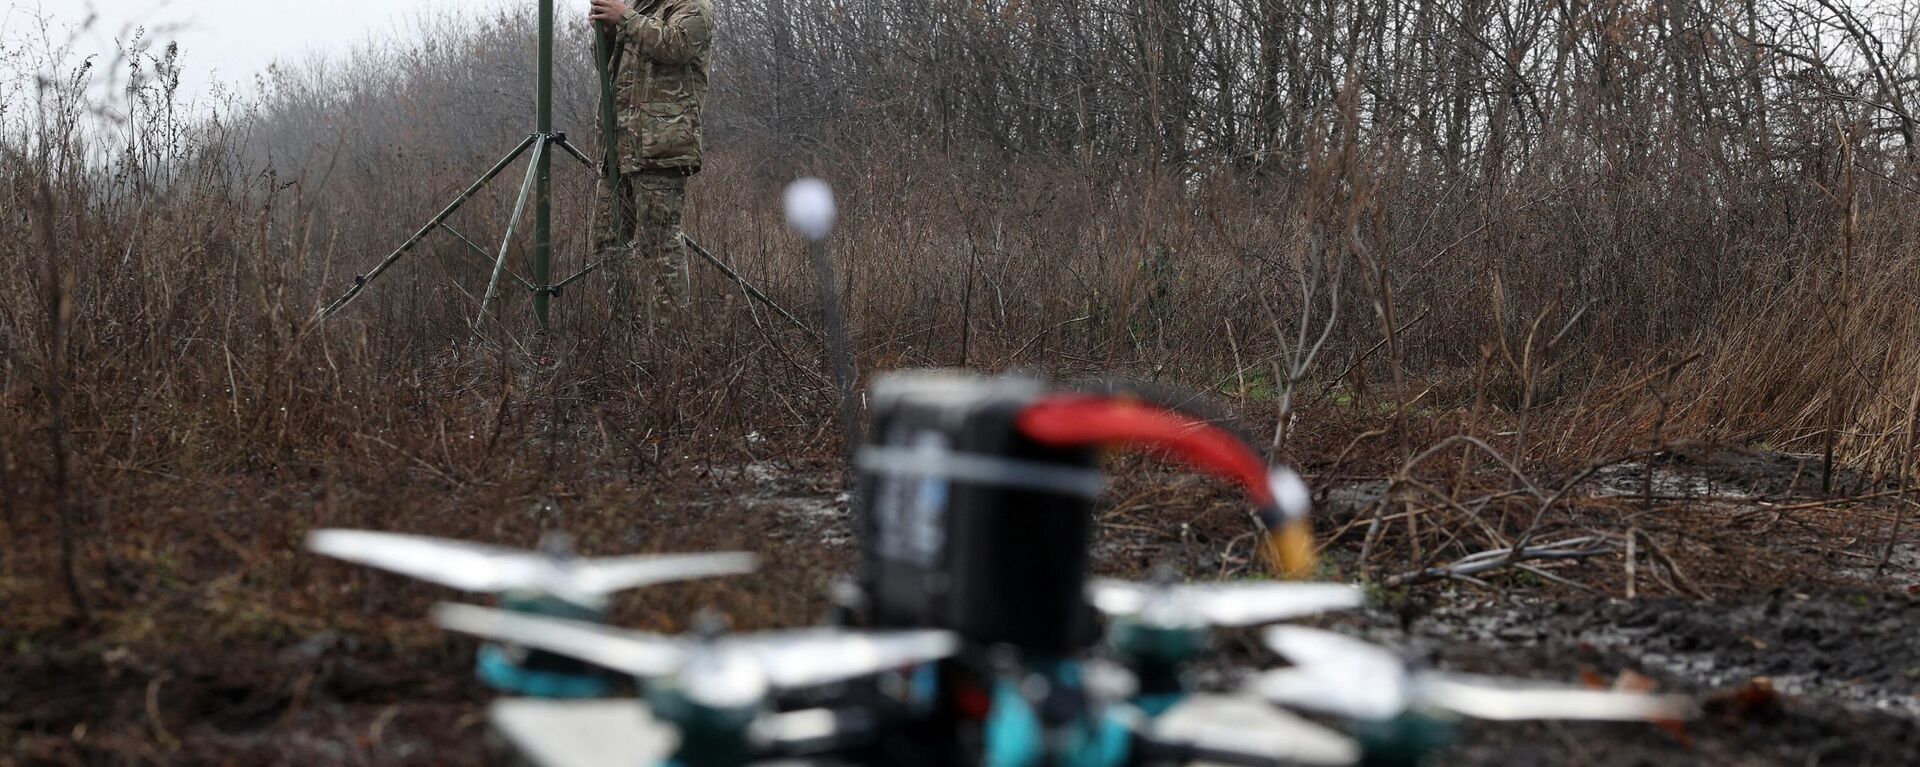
x: 543, y: 196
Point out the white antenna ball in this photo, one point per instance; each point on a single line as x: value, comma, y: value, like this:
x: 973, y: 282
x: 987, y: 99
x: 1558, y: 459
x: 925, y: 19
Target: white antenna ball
x: 1290, y: 492
x: 810, y: 208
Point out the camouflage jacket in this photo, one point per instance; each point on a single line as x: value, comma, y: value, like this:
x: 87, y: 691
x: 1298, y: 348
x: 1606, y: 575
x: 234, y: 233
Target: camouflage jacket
x: 662, y: 83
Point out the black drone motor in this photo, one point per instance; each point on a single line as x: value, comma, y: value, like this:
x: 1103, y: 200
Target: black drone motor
x: 975, y: 514
x: 968, y: 525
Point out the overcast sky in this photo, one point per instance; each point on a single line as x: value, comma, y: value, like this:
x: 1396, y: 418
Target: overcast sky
x: 231, y: 40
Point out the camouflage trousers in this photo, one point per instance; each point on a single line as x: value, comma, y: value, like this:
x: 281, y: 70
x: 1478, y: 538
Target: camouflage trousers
x: 646, y: 258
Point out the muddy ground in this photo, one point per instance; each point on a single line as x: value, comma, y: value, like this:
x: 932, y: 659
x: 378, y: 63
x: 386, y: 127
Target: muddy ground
x: 1773, y: 610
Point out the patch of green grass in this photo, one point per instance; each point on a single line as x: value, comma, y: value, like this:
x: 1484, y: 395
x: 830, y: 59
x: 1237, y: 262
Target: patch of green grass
x: 1262, y: 388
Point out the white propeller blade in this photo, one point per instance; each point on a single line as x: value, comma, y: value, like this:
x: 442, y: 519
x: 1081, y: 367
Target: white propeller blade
x: 1511, y: 700
x: 1329, y: 654
x: 616, y: 574
x: 1371, y: 700
x: 462, y: 565
x: 633, y: 653
x: 806, y: 725
x: 1371, y: 677
x: 788, y: 659
x: 809, y: 731
x: 1222, y: 727
x: 1226, y: 604
x: 549, y: 733
x: 812, y: 657
x: 1337, y: 674
x: 482, y: 568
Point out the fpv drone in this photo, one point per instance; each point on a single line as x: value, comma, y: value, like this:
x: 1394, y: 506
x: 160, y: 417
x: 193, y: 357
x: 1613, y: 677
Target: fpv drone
x: 972, y: 635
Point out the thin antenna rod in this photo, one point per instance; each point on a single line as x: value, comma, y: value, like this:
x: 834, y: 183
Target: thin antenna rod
x: 543, y: 195
x: 810, y: 211
x: 837, y: 342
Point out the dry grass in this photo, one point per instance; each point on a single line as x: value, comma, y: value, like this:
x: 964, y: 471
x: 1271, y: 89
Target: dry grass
x: 174, y: 420
x: 185, y: 359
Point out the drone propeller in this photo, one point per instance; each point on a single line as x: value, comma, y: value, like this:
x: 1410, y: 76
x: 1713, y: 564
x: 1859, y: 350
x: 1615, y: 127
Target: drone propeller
x: 1339, y: 675
x: 596, y: 733
x: 1226, y: 605
x: 492, y: 569
x: 1243, y: 730
x: 811, y: 731
x: 720, y: 671
x: 601, y: 733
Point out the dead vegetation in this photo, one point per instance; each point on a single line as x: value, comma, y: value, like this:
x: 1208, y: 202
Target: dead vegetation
x: 1463, y: 294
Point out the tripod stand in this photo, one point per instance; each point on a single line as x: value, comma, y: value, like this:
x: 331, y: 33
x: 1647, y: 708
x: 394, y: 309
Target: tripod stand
x: 537, y: 188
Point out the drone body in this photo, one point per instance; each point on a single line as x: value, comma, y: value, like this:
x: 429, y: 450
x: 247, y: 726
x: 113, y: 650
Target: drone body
x: 972, y: 634
x: 976, y: 511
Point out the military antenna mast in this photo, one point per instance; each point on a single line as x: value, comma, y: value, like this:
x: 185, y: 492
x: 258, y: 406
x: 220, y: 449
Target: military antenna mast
x: 537, y: 188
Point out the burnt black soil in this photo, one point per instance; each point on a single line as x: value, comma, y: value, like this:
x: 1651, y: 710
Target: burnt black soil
x: 326, y: 700
x: 1791, y: 677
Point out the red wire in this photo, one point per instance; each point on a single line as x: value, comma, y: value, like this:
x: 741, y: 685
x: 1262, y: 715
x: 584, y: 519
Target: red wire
x: 1080, y: 420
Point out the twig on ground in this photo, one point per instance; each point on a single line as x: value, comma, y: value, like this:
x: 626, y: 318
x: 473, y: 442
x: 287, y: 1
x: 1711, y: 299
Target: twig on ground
x: 1530, y: 569
x: 154, y: 721
x: 1488, y: 561
x: 1679, y: 576
x: 417, y: 461
x: 1633, y: 556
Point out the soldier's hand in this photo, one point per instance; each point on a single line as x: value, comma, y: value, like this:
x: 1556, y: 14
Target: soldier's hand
x: 608, y: 10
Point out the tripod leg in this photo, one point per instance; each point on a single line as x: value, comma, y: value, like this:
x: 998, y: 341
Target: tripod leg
x: 751, y: 291
x: 506, y: 243
x: 361, y: 283
x: 578, y: 155
x: 487, y: 258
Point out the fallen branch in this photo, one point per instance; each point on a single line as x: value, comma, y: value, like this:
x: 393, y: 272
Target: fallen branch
x: 1495, y: 559
x: 1679, y: 576
x: 1544, y: 575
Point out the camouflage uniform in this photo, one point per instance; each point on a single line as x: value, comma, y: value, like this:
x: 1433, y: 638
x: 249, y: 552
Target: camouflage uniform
x: 661, y: 88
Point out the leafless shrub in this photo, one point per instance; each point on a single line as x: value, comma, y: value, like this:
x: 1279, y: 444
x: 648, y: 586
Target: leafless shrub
x: 1500, y: 220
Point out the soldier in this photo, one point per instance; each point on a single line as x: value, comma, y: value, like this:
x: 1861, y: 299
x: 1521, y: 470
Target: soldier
x: 661, y: 87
